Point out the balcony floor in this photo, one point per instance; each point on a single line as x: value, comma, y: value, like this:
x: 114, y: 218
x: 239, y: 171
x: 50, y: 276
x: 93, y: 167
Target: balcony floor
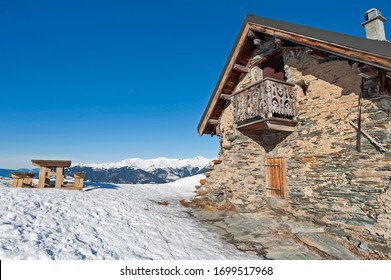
x: 278, y: 124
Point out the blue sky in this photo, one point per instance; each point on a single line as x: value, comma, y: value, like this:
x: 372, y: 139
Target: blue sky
x: 104, y: 80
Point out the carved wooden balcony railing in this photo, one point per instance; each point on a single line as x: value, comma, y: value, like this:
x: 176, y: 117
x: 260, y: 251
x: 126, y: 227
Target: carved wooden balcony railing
x: 267, y: 104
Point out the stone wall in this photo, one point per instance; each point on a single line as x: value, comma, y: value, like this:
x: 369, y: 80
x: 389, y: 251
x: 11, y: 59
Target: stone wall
x: 328, y: 182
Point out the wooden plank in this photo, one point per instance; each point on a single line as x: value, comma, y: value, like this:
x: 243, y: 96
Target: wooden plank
x: 276, y: 183
x: 272, y: 177
x: 19, y: 183
x: 59, y: 177
x: 51, y: 163
x: 372, y: 140
x: 283, y: 177
x: 279, y: 180
x: 15, y: 182
x: 270, y: 123
x: 79, y: 180
x: 42, y: 177
x: 22, y: 174
x: 268, y: 192
x: 273, y: 171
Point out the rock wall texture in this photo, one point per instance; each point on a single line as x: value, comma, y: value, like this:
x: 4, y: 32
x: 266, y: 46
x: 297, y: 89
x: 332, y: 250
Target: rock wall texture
x: 345, y: 192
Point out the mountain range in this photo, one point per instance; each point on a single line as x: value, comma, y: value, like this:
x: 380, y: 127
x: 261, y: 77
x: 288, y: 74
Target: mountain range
x: 137, y: 170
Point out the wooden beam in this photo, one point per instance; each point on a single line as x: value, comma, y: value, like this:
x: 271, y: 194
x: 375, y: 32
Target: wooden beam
x: 213, y: 122
x: 241, y: 68
x: 259, y: 59
x: 226, y: 97
x: 251, y: 34
x: 365, y: 71
x: 279, y: 41
x: 339, y: 50
x: 372, y: 140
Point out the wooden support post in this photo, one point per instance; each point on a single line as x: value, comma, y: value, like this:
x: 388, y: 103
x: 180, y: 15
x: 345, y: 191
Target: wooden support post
x: 59, y: 177
x: 14, y: 182
x: 47, y: 177
x: 42, y: 177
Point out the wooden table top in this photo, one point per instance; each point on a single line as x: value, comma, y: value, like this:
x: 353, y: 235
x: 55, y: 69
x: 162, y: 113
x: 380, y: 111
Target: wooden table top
x: 51, y: 163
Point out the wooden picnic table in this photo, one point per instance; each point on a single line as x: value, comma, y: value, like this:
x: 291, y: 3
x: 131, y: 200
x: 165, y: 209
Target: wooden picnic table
x: 50, y: 168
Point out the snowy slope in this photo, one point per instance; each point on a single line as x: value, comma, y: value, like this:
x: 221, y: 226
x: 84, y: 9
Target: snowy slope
x: 105, y: 222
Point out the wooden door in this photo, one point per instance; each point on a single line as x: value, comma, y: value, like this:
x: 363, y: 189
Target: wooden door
x: 275, y: 177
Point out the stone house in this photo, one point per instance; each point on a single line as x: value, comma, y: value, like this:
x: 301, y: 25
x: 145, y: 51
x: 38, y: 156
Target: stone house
x: 304, y: 121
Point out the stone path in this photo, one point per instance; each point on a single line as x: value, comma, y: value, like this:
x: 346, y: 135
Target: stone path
x: 273, y: 236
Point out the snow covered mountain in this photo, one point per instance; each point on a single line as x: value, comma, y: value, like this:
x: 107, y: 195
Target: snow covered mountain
x: 141, y: 171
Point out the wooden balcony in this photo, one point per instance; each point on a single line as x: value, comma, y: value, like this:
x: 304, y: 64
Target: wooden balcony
x: 265, y: 105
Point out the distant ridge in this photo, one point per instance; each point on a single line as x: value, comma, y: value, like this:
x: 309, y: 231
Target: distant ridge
x: 142, y: 171
x: 135, y: 170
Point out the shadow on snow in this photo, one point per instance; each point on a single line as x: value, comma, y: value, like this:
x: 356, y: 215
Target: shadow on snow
x: 90, y: 186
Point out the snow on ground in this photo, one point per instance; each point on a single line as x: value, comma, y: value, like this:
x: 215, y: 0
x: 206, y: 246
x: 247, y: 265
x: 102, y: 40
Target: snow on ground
x: 105, y: 221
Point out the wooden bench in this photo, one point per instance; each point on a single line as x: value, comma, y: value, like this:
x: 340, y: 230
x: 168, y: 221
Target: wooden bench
x: 22, y: 179
x: 79, y: 180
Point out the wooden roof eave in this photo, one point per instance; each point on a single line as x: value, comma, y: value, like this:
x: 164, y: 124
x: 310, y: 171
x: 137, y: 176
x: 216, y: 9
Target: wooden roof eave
x: 223, y: 78
x: 330, y: 47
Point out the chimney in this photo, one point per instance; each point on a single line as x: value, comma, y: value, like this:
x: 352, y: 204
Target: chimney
x: 374, y: 25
